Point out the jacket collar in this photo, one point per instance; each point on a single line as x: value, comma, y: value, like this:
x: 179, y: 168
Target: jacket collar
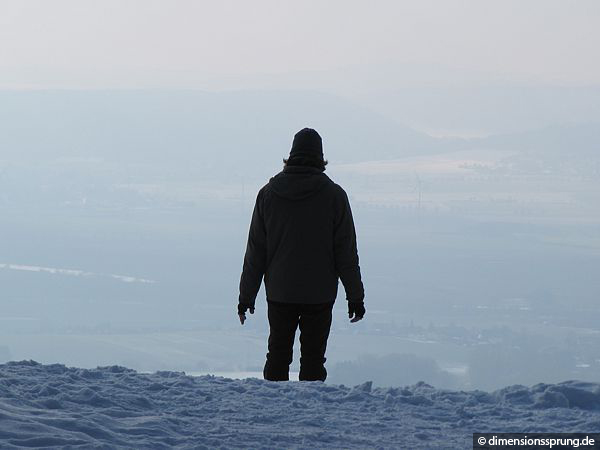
x: 301, y: 169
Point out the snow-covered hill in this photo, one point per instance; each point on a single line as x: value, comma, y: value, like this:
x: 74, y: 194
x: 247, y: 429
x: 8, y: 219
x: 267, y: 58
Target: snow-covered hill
x: 114, y: 407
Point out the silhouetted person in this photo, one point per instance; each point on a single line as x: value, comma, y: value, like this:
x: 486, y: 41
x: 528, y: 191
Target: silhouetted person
x: 302, y: 239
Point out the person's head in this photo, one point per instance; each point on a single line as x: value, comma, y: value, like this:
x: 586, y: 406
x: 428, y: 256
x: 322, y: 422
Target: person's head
x: 307, y: 150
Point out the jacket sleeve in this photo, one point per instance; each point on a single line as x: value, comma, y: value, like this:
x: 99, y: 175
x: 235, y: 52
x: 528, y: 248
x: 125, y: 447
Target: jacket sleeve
x: 255, y: 259
x: 345, y: 251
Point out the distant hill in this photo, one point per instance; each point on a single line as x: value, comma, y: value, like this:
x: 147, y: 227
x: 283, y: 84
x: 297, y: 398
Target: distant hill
x: 247, y: 127
x: 566, y: 140
x: 561, y: 149
x: 188, y: 129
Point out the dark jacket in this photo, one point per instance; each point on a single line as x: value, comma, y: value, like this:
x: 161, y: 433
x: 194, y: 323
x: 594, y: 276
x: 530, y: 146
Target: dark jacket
x: 302, y: 239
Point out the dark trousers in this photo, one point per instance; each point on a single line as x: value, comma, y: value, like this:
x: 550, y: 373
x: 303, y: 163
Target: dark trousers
x: 314, y: 322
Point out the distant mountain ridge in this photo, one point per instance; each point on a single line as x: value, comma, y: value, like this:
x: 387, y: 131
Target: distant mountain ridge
x: 231, y: 128
x: 577, y: 138
x: 227, y: 127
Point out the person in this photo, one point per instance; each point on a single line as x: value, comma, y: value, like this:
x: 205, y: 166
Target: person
x: 302, y: 240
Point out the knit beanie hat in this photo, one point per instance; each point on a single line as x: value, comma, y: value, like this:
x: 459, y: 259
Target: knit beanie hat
x: 307, y: 144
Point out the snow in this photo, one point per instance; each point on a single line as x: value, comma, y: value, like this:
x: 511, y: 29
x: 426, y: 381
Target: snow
x: 114, y: 407
x: 73, y: 272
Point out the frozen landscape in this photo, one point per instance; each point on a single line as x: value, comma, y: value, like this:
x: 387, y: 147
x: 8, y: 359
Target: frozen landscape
x: 480, y: 261
x: 115, y: 407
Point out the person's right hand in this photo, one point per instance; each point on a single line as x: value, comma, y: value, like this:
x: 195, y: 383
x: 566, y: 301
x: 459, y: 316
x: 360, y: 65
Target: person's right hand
x: 242, y: 308
x: 356, y: 309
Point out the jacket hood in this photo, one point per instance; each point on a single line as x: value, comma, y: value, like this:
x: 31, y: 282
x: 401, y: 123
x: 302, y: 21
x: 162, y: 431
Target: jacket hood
x: 298, y: 182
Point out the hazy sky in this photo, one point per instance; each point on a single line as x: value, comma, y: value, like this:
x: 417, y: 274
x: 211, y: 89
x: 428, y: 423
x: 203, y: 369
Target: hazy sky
x: 90, y: 43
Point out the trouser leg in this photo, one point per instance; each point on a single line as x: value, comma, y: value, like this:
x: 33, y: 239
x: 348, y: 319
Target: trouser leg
x: 283, y: 321
x: 315, y: 323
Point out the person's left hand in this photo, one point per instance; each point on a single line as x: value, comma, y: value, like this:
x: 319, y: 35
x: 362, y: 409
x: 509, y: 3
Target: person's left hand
x: 356, y: 309
x: 242, y: 312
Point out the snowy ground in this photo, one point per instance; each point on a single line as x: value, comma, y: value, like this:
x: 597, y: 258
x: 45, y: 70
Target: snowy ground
x: 114, y: 407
